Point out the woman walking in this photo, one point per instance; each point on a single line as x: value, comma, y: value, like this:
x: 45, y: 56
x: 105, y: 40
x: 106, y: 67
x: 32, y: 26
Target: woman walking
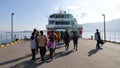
x: 51, y: 46
x: 33, y: 46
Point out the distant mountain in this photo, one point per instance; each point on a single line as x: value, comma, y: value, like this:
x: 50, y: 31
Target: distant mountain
x: 111, y: 26
x: 20, y: 32
x: 24, y: 31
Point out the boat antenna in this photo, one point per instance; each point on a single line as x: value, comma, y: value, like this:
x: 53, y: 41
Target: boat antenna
x: 60, y: 10
x: 68, y: 10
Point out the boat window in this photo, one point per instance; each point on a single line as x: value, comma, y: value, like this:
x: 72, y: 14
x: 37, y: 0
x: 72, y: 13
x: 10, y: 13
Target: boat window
x: 51, y: 22
x: 62, y: 16
x: 56, y: 16
x: 62, y: 23
x: 51, y: 16
x: 72, y: 24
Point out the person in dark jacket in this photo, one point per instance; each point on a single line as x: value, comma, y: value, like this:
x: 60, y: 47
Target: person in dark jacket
x: 66, y: 39
x: 97, y: 38
x: 75, y: 40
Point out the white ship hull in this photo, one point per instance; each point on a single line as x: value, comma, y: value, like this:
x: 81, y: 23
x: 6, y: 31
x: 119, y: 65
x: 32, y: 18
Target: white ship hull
x: 63, y: 21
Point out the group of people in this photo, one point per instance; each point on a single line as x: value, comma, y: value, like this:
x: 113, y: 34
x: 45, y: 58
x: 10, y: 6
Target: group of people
x: 67, y: 39
x: 39, y: 42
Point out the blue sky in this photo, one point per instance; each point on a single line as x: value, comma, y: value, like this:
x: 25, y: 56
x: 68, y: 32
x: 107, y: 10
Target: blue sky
x: 30, y: 14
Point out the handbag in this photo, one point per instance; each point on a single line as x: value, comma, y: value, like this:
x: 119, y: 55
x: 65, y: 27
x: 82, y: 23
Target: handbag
x: 101, y: 42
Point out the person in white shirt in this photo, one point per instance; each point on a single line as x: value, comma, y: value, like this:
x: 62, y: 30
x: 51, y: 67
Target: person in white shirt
x: 33, y: 46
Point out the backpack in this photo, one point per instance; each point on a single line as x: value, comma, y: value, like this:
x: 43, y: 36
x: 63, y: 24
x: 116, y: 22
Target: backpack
x: 75, y: 37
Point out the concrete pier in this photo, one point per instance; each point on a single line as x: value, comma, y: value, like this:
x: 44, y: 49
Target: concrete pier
x: 19, y: 56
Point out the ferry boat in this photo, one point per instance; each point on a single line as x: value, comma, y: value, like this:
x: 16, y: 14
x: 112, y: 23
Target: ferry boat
x: 62, y: 21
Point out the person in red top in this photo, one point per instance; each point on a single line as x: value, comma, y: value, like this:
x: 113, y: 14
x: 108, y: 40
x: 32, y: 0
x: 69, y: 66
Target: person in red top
x: 81, y: 31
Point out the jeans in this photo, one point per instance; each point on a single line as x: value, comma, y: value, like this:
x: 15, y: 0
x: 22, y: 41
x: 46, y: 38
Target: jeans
x: 52, y: 51
x: 97, y: 45
x: 43, y: 52
x: 33, y: 54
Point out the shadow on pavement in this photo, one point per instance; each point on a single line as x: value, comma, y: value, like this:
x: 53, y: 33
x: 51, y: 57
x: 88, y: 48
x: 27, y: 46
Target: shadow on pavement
x: 27, y: 64
x: 38, y: 62
x: 93, y: 51
x: 30, y: 64
x: 59, y: 46
x: 14, y: 60
x: 62, y: 54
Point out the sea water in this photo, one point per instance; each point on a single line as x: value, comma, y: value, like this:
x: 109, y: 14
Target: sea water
x: 110, y: 36
x: 6, y: 37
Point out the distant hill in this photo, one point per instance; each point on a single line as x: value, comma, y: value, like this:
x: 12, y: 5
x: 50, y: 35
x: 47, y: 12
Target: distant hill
x: 24, y: 31
x: 111, y: 26
x: 20, y: 32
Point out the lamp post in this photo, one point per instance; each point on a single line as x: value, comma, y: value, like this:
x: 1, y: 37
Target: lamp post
x: 104, y: 28
x: 12, y: 27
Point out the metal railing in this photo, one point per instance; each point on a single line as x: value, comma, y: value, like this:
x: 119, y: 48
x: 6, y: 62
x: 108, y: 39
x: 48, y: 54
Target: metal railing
x: 110, y: 36
x: 6, y: 37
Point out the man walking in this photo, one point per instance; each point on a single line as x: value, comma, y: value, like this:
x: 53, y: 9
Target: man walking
x: 42, y: 41
x: 66, y: 40
x: 97, y: 38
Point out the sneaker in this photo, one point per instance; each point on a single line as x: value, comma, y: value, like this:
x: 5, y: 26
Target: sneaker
x: 76, y: 49
x: 33, y: 61
x: 43, y: 60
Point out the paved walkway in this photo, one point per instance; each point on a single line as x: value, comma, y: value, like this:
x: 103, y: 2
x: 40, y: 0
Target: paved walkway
x: 19, y: 55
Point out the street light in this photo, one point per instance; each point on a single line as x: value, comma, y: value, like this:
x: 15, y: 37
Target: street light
x: 104, y: 28
x: 12, y: 27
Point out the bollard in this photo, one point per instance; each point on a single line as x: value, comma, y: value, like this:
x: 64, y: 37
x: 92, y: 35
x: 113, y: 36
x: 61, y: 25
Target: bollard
x: 91, y: 37
x: 15, y: 37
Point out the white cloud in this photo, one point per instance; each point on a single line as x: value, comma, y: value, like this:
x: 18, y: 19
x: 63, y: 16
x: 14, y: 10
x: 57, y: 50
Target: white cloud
x: 86, y: 16
x: 83, y: 15
x: 118, y: 7
x: 91, y: 11
x: 85, y: 4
